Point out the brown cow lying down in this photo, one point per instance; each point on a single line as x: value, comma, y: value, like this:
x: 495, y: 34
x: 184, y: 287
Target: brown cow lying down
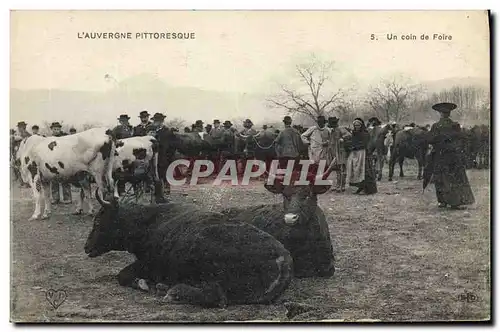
x: 202, y: 257
x: 298, y: 223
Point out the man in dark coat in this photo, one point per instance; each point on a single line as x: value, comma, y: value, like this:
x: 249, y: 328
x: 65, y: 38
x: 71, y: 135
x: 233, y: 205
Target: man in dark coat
x: 66, y: 187
x: 142, y: 128
x: 124, y: 129
x: 165, y: 154
x: 198, y: 126
x: 447, y: 160
x: 289, y: 145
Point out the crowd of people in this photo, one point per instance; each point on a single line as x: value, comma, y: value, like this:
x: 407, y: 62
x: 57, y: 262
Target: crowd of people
x: 347, y: 152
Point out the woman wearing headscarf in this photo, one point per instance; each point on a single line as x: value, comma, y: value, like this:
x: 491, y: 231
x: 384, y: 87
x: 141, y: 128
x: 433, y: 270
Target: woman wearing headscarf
x: 360, y: 170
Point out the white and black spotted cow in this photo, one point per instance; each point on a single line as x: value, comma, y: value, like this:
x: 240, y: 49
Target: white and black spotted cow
x: 136, y: 162
x: 22, y: 158
x: 70, y: 158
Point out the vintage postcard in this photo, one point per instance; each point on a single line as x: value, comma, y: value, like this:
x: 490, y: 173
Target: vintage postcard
x: 250, y: 166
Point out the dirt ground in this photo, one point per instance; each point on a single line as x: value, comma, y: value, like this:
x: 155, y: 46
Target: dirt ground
x: 398, y: 258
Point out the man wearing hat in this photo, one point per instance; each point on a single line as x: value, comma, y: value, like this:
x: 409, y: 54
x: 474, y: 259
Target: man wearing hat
x: 197, y: 127
x: 164, y: 136
x: 447, y: 162
x: 338, y: 134
x: 66, y: 187
x: 142, y: 128
x: 21, y: 128
x: 124, y: 129
x: 208, y: 128
x: 247, y: 128
x: 216, y: 130
x: 319, y: 139
x: 72, y: 131
x: 289, y: 144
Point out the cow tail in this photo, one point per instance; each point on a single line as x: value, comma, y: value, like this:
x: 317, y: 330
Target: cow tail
x: 280, y: 284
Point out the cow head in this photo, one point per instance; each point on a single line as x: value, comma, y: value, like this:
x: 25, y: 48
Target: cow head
x: 299, y: 201
x: 106, y: 233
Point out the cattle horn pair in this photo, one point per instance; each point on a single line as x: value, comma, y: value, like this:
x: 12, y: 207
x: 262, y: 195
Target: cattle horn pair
x: 101, y: 201
x: 281, y: 177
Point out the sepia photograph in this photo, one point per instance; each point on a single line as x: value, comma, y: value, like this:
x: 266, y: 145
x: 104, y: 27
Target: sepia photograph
x: 215, y: 166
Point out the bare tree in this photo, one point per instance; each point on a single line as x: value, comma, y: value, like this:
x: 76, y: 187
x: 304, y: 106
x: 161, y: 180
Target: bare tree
x: 473, y: 102
x: 175, y: 123
x: 312, y: 98
x: 392, y: 99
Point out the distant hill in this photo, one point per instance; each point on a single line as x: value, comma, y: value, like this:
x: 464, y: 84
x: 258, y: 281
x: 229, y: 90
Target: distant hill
x: 149, y: 92
x: 438, y: 85
x: 132, y: 96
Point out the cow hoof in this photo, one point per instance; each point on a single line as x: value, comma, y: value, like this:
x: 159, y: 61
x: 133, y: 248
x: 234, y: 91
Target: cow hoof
x: 78, y: 212
x: 34, y: 217
x: 161, y: 289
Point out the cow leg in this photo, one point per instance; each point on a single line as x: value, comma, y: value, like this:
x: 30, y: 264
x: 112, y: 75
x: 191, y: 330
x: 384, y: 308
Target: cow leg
x: 380, y: 165
x: 46, y: 195
x: 132, y: 275
x: 392, y: 162
x: 420, y: 161
x: 401, y: 174
x: 36, y: 187
x: 79, y: 202
x: 87, y: 192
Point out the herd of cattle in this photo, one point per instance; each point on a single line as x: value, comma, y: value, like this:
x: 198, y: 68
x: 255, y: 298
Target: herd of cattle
x: 239, y: 255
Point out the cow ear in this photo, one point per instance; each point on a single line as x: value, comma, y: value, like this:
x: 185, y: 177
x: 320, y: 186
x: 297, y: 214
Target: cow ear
x: 276, y: 188
x: 318, y: 190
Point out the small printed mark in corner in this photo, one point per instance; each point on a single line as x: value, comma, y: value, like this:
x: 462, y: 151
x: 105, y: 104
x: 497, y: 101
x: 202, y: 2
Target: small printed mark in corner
x: 468, y: 297
x: 56, y: 297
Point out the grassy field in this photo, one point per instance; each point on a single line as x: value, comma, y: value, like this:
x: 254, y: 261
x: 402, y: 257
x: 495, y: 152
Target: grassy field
x: 399, y: 258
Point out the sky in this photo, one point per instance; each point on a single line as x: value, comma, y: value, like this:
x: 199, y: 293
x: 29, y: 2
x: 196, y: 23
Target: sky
x: 236, y: 53
x: 241, y: 50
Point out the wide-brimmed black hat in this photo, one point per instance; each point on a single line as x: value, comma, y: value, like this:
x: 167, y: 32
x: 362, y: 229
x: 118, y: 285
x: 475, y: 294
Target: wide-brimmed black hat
x: 35, y: 127
x: 22, y: 124
x: 444, y: 107
x: 124, y: 117
x: 144, y: 114
x: 287, y: 119
x: 333, y: 119
x: 72, y: 129
x: 158, y: 116
x: 248, y: 121
x: 375, y: 121
x: 216, y: 121
x: 197, y: 122
x: 55, y: 125
x: 227, y: 123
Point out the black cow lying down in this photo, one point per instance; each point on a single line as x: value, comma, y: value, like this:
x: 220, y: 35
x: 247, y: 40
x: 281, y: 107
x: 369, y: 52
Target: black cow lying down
x: 202, y: 257
x: 299, y: 224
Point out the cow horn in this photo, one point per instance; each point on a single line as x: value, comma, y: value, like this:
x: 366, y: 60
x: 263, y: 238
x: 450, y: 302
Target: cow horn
x: 101, y: 201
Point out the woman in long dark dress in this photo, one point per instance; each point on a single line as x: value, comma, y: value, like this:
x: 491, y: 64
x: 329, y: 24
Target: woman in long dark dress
x: 449, y: 164
x: 360, y: 170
